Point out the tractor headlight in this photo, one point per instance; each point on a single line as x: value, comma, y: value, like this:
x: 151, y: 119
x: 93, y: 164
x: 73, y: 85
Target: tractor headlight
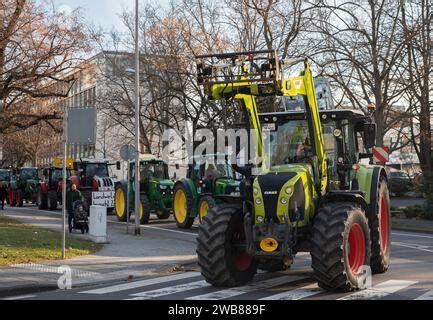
x: 283, y: 200
x: 163, y: 187
x: 259, y: 219
x: 256, y: 191
x: 289, y: 190
x: 258, y: 201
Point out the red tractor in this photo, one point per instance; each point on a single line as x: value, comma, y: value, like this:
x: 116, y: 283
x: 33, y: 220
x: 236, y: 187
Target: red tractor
x: 92, y: 175
x: 49, y: 192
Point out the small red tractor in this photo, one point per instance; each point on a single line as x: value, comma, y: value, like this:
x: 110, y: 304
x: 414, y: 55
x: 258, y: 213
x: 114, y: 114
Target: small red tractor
x: 49, y: 192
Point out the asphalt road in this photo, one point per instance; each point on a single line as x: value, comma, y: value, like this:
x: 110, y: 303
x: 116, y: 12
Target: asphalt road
x: 410, y: 277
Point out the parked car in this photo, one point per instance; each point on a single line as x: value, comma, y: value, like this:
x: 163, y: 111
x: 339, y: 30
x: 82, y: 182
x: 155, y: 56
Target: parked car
x: 399, y: 182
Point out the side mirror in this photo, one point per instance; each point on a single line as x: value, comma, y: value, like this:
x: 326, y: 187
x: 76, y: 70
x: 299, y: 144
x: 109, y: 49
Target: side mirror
x: 118, y: 165
x: 369, y: 135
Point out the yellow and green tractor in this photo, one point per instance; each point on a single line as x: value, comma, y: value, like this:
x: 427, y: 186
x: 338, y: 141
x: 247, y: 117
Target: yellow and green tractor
x: 310, y: 188
x: 206, y: 184
x: 156, y: 190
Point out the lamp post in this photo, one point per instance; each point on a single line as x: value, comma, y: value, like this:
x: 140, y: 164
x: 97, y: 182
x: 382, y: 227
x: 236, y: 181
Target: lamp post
x: 137, y: 126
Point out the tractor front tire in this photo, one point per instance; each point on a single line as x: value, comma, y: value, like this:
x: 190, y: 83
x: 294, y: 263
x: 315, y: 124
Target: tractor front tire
x: 144, y: 209
x: 163, y: 214
x: 221, y: 248
x: 52, y: 200
x: 204, y: 205
x: 42, y: 200
x: 182, y: 206
x: 340, y: 246
x: 120, y: 200
x: 380, y: 229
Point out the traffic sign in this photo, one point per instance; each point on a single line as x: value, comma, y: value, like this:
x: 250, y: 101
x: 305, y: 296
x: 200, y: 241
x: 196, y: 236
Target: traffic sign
x: 380, y: 154
x: 127, y: 152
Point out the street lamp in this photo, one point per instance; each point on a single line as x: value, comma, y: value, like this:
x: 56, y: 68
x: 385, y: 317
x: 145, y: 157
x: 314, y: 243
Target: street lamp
x: 137, y: 127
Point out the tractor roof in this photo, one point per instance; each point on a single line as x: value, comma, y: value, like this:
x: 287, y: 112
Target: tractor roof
x: 92, y: 160
x: 147, y: 157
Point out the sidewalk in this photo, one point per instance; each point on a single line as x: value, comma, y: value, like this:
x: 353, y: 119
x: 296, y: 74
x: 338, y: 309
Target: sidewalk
x: 126, y: 256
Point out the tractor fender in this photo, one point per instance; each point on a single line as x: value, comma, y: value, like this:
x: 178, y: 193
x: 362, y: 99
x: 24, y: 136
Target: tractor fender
x: 44, y: 187
x: 189, y: 187
x: 122, y: 183
x: 378, y: 172
x: 353, y: 196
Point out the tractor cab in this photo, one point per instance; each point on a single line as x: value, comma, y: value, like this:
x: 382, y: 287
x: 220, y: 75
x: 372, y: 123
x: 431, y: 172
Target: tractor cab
x: 23, y: 186
x: 88, y: 172
x: 156, y: 190
x: 5, y: 175
x: 213, y: 177
x: 348, y: 136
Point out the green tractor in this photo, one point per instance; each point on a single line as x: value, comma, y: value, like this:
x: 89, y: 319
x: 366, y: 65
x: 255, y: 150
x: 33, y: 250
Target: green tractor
x: 206, y: 184
x: 24, y: 186
x: 311, y: 191
x: 156, y: 190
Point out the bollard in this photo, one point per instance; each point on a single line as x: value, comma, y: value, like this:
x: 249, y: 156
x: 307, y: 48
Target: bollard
x: 98, y: 224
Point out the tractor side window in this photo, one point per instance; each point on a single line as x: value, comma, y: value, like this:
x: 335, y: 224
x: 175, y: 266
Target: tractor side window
x: 330, y: 145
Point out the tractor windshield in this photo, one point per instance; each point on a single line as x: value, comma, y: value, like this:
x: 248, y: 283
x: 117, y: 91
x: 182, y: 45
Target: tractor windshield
x: 4, y: 175
x: 97, y: 169
x: 210, y: 170
x: 153, y: 170
x: 29, y: 173
x: 289, y: 142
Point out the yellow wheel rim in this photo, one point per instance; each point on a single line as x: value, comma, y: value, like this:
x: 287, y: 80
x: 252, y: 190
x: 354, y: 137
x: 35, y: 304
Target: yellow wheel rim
x: 141, y: 210
x: 120, y: 203
x: 180, y: 206
x: 204, y: 208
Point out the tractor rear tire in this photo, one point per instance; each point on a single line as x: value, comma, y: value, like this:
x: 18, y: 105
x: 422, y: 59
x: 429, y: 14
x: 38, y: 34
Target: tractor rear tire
x: 42, y: 200
x: 380, y: 229
x: 274, y: 265
x: 340, y: 246
x: 222, y: 255
x: 120, y: 201
x: 205, y: 203
x: 163, y: 214
x: 182, y: 206
x: 52, y: 200
x: 144, y: 209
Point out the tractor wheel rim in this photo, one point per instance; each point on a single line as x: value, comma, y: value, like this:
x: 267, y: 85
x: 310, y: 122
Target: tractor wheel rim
x: 384, y: 224
x: 204, y: 208
x: 242, y: 261
x: 18, y: 199
x: 11, y: 197
x: 180, y: 206
x: 356, y: 248
x: 120, y: 203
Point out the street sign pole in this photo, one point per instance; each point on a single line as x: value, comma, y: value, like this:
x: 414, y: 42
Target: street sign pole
x: 137, y: 126
x: 65, y: 154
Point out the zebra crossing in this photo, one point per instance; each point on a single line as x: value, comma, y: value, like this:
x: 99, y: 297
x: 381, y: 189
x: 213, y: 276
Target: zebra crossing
x: 266, y: 286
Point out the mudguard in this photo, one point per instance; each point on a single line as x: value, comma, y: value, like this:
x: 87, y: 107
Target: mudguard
x: 192, y: 193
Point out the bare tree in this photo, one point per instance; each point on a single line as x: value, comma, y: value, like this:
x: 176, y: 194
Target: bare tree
x: 39, y: 46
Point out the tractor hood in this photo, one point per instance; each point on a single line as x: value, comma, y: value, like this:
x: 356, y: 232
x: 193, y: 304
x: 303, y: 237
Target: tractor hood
x: 228, y: 182
x: 165, y: 182
x: 283, y: 190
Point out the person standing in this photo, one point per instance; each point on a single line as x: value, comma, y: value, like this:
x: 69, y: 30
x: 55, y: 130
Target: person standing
x: 72, y: 195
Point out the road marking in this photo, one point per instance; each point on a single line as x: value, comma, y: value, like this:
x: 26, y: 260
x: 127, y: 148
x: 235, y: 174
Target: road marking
x: 175, y: 231
x: 170, y: 290
x: 20, y: 297
x: 412, y: 246
x: 426, y: 296
x: 228, y: 293
x: 412, y: 235
x: 142, y: 283
x: 379, y: 291
x: 296, y: 294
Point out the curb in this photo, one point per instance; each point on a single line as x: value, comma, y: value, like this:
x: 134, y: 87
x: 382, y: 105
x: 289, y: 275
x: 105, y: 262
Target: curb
x: 26, y: 289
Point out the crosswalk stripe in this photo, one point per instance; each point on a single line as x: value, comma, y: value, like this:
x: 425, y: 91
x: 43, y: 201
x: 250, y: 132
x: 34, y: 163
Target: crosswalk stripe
x: 379, y: 291
x: 296, y: 294
x: 170, y: 290
x: 143, y: 283
x: 232, y: 292
x: 426, y: 296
